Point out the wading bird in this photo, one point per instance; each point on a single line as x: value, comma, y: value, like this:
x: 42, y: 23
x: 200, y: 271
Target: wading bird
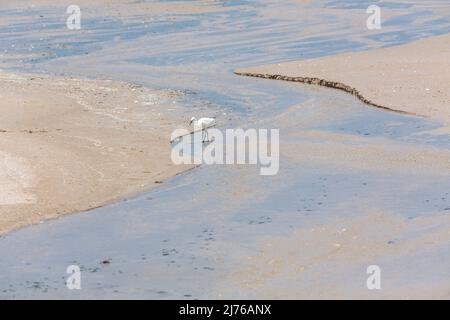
x: 203, y: 124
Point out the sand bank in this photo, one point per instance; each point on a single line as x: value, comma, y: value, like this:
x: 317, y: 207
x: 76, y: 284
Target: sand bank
x: 411, y: 78
x: 70, y: 145
x: 340, y: 252
x: 119, y: 8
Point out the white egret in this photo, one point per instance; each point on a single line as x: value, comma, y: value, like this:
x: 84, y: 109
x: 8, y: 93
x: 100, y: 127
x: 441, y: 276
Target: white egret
x: 203, y: 124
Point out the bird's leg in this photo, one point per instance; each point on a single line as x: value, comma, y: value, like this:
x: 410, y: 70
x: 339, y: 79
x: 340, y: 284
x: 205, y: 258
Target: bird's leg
x: 203, y: 136
x: 207, y: 135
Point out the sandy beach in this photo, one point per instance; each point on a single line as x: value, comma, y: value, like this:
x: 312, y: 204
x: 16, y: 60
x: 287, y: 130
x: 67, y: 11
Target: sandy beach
x: 87, y: 117
x: 70, y: 145
x: 411, y: 78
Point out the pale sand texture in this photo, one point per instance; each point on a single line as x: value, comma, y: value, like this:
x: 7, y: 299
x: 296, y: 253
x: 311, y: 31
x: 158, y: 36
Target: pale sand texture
x: 119, y: 8
x: 340, y: 252
x: 15, y: 177
x: 412, y: 78
x: 69, y: 145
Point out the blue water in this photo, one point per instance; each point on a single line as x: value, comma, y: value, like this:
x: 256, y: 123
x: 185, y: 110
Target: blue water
x: 179, y: 240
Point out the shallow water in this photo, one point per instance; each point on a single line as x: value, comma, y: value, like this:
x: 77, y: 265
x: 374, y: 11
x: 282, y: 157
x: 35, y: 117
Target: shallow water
x: 181, y: 239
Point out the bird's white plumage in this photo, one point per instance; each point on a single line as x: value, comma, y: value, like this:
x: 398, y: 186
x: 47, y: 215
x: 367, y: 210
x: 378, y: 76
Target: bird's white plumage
x: 203, y: 124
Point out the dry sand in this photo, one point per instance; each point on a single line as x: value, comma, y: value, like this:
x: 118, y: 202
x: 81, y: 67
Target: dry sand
x: 411, y: 78
x: 69, y: 145
x: 117, y: 8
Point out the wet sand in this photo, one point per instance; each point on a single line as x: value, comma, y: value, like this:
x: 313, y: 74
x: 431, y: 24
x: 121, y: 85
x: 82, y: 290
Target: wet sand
x: 411, y: 78
x: 69, y: 145
x: 225, y: 231
x: 329, y: 261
